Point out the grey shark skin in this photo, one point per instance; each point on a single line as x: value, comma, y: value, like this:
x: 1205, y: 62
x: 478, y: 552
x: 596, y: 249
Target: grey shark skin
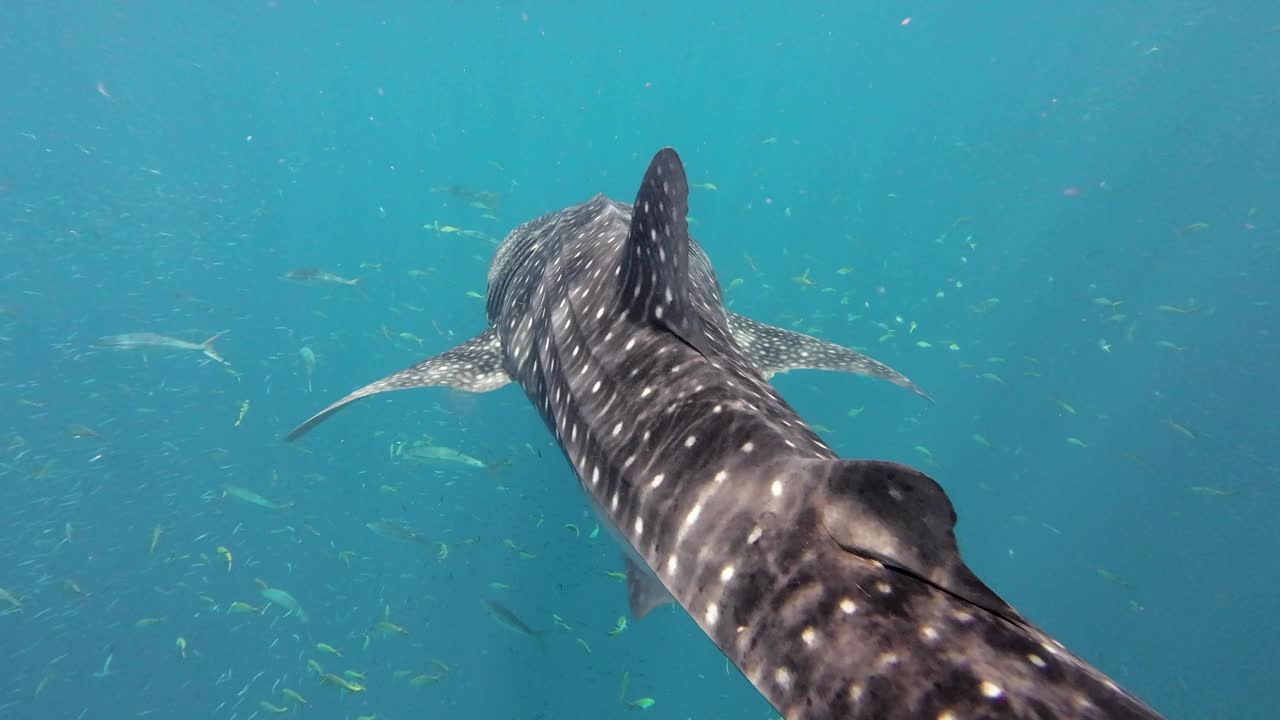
x: 834, y: 585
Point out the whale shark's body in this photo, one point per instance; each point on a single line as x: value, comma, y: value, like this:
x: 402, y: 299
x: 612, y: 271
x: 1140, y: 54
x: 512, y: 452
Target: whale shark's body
x: 834, y: 585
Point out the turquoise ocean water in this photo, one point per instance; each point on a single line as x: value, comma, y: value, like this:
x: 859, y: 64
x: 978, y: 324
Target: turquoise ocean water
x: 1059, y: 219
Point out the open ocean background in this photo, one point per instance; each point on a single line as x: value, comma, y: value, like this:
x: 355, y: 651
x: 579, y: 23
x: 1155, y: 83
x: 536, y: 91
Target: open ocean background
x: 1074, y: 205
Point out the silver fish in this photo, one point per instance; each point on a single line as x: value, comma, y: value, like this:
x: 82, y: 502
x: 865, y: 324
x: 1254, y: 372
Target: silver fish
x: 146, y: 340
x: 316, y: 276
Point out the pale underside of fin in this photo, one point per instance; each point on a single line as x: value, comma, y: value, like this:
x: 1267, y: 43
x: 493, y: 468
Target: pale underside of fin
x: 645, y: 592
x: 474, y: 366
x: 774, y: 350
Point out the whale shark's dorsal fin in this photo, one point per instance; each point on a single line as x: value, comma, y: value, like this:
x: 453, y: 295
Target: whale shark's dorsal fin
x: 474, y: 366
x: 902, y: 518
x: 776, y: 350
x: 655, y: 258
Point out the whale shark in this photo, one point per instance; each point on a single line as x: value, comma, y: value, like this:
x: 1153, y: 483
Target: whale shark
x: 836, y: 586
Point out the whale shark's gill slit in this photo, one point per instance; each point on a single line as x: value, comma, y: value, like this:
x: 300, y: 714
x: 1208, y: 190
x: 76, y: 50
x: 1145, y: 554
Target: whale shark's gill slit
x: 901, y: 517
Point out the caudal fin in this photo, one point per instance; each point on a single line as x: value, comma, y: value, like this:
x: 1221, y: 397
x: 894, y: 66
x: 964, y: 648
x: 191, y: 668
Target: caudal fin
x: 207, y: 348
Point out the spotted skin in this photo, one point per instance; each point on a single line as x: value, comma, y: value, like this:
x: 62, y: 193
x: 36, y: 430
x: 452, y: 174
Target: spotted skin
x: 475, y: 365
x: 776, y: 350
x: 835, y: 586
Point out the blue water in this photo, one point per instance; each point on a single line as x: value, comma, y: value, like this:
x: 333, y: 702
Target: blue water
x: 162, y: 165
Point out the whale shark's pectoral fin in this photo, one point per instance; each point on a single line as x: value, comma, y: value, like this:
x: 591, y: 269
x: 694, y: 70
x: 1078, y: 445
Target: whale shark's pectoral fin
x: 474, y: 366
x: 645, y: 592
x: 902, y: 518
x: 655, y: 258
x: 775, y: 350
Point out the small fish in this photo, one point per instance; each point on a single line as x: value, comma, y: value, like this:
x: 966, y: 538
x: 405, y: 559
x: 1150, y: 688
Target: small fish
x: 244, y: 409
x: 619, y: 627
x: 308, y: 363
x: 106, y: 667
x: 804, y: 280
x: 1182, y: 430
x: 83, y: 431
x: 316, y: 276
x: 40, y: 686
x: 423, y: 451
x: 411, y: 338
x: 146, y: 340
x: 390, y: 628
x: 340, y: 682
x: 1210, y: 491
x: 10, y: 599
x: 704, y: 186
x: 508, y: 619
x: 1077, y: 442
x: 246, y: 495
x: 984, y: 307
x: 399, y: 530
x: 243, y: 608
x: 282, y: 598
x: 1112, y: 577
x: 1179, y: 309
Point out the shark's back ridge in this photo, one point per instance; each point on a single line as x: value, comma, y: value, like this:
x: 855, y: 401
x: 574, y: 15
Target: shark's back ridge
x: 836, y: 586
